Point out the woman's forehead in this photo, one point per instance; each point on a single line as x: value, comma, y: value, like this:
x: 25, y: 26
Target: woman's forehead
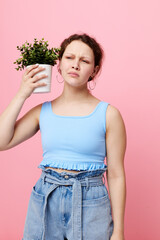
x: 79, y: 47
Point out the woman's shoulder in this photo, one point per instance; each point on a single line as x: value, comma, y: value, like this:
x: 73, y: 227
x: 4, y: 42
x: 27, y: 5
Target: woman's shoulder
x: 113, y: 111
x: 113, y: 116
x: 38, y: 107
x: 36, y: 110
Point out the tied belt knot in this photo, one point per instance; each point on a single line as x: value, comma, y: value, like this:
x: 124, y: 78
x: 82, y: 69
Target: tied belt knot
x: 76, y: 198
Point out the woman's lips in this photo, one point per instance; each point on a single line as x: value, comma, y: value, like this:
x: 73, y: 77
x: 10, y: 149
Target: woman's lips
x: 73, y: 74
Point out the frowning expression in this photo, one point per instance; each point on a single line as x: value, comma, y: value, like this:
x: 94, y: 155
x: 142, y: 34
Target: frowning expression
x: 77, y: 63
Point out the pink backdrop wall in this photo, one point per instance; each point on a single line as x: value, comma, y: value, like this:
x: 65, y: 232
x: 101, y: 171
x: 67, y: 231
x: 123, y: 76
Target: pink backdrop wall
x: 130, y: 35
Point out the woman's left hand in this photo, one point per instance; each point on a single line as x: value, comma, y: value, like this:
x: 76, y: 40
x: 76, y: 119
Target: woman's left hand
x: 117, y: 236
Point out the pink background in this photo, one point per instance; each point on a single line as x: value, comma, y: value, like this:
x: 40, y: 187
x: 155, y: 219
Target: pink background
x: 129, y: 32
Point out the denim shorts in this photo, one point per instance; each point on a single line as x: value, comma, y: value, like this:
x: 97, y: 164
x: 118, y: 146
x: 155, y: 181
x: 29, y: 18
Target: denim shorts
x: 73, y: 206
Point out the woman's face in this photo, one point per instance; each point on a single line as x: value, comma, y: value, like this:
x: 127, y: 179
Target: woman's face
x: 77, y: 63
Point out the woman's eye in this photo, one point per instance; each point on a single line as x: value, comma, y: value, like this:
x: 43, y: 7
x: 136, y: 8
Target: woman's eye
x: 68, y: 57
x: 85, y: 61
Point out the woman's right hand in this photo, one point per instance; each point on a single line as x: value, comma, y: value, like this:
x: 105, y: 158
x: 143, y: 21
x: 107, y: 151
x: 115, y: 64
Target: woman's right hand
x: 30, y: 81
x: 13, y: 131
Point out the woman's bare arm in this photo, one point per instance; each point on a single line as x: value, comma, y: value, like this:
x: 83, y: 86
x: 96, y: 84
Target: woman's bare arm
x: 13, y: 132
x: 23, y: 129
x: 116, y: 147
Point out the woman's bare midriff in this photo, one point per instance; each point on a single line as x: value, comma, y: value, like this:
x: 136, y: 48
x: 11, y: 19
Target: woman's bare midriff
x: 59, y: 170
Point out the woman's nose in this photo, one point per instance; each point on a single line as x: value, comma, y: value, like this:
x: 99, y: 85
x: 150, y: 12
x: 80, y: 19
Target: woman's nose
x: 75, y: 65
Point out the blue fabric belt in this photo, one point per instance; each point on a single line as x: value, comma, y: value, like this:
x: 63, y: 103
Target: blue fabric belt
x: 76, y: 198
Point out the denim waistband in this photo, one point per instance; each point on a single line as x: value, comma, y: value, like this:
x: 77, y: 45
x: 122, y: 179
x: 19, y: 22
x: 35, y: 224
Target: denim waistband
x: 77, y: 180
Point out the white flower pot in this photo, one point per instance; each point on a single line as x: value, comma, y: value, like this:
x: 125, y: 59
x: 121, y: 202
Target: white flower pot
x: 47, y: 80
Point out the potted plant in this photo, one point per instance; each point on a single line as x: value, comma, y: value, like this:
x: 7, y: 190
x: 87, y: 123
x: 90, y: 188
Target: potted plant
x: 38, y: 53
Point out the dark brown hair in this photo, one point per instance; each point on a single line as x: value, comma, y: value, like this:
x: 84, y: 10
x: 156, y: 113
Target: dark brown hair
x: 91, y: 42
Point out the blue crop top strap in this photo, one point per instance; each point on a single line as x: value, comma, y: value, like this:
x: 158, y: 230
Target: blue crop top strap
x: 73, y: 142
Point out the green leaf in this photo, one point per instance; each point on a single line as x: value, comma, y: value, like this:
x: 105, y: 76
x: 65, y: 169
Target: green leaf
x: 36, y: 52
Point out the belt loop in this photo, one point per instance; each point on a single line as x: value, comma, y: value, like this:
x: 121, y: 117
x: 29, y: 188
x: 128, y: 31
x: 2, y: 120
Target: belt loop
x: 103, y: 179
x: 43, y: 179
x: 87, y: 182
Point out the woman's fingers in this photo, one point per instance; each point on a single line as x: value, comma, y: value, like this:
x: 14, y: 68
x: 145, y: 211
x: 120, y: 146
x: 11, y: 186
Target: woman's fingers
x: 30, y: 69
x: 39, y: 84
x: 34, y: 72
x: 39, y: 77
x: 31, y: 79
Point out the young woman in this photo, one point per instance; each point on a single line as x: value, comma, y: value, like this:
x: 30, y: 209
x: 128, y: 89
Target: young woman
x: 70, y: 199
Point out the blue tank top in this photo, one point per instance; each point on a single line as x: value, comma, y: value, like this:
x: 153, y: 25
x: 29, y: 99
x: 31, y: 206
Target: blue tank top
x: 73, y: 142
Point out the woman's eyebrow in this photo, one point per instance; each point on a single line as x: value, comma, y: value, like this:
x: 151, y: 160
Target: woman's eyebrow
x: 81, y: 57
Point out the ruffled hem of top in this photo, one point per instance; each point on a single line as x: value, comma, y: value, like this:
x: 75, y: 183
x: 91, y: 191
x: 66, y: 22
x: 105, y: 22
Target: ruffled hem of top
x: 72, y: 166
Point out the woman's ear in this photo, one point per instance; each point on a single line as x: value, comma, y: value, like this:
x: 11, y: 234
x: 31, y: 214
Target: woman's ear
x: 95, y: 71
x: 58, y: 68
